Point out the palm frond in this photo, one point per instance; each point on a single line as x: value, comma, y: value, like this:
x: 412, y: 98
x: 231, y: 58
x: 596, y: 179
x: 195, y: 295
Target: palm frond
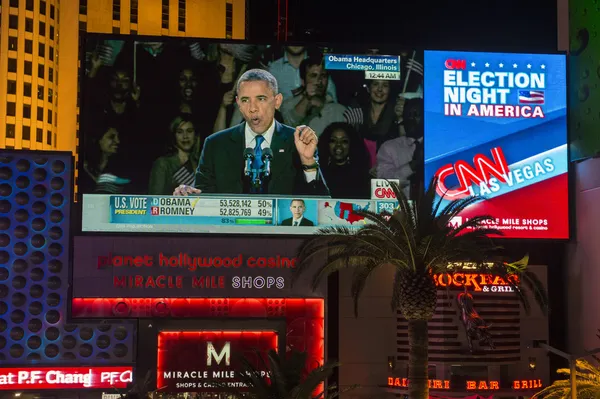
x: 315, y: 378
x: 359, y: 281
x: 418, y: 239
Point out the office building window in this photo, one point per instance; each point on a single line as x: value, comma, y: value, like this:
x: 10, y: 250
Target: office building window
x: 54, y: 139
x: 10, y: 131
x: 29, y: 5
x: 26, y: 133
x: 11, y: 87
x: 28, y: 68
x: 51, y: 53
x: 52, y: 11
x: 42, y: 7
x: 41, y: 71
x: 50, y: 95
x: 12, y: 65
x: 13, y: 22
x: 27, y: 111
x: 133, y: 16
x: 27, y: 89
x: 11, y: 109
x: 39, y: 135
x: 181, y: 16
x: 228, y: 20
x: 83, y: 7
x: 133, y: 32
x: 165, y: 14
x: 14, y: 3
x: 40, y: 94
x: 116, y: 30
x: 28, y: 25
x: 28, y: 46
x: 51, y: 74
x: 51, y: 35
x: 41, y: 50
x: 49, y: 116
x: 42, y: 29
x: 40, y: 114
x: 12, y: 43
x: 116, y: 9
x: 48, y: 137
x: 82, y: 26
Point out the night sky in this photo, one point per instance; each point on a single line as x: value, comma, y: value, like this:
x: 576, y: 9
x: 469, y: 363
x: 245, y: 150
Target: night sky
x: 493, y: 25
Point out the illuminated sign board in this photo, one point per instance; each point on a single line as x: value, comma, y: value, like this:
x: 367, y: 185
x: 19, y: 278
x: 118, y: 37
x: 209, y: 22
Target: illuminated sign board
x: 191, y: 361
x: 470, y: 385
x: 43, y: 378
x: 496, y: 126
x: 149, y: 267
x: 476, y: 281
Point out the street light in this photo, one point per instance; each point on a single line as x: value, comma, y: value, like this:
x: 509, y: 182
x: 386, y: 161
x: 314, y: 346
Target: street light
x: 572, y: 362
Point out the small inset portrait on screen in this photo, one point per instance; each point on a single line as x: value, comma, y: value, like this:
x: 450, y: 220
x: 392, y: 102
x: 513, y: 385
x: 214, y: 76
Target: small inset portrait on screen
x: 297, y: 212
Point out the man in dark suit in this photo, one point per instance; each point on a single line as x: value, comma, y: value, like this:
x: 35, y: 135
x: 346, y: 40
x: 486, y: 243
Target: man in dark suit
x: 297, y: 207
x: 294, y: 167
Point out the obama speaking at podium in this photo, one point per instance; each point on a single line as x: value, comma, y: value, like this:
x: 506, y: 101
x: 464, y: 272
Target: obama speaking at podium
x: 294, y: 168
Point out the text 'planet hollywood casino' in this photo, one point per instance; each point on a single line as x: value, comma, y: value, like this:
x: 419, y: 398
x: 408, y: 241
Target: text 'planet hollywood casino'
x: 494, y: 89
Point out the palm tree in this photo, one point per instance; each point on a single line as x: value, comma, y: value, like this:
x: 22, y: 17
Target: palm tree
x: 418, y: 241
x: 587, y: 378
x: 285, y: 378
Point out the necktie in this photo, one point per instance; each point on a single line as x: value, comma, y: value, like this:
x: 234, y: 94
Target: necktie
x: 257, y: 163
x: 295, y: 223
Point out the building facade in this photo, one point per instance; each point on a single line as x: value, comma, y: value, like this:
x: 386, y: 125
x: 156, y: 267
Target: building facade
x: 377, y: 340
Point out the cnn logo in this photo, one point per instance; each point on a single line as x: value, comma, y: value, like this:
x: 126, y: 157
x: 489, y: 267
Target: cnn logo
x: 384, y: 192
x: 456, y: 64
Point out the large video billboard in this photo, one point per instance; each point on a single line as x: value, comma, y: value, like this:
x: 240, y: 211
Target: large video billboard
x: 265, y: 135
x: 496, y: 126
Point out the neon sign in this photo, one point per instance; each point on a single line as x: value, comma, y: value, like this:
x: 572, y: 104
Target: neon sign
x: 478, y: 281
x: 527, y: 384
x: 433, y: 384
x: 65, y: 378
x: 483, y: 385
x: 470, y: 385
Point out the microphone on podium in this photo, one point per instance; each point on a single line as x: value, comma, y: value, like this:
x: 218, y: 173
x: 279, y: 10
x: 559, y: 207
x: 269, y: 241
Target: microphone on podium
x: 267, y: 157
x: 248, y: 157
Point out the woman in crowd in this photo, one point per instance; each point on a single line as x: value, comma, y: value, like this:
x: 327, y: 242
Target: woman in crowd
x: 344, y: 162
x: 99, y: 171
x: 375, y: 120
x: 179, y: 166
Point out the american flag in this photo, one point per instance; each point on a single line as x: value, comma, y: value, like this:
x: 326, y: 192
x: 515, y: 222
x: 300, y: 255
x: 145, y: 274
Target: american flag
x: 531, y: 97
x: 415, y: 66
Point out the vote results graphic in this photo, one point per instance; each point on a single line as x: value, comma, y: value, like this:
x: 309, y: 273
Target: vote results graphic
x: 235, y: 214
x: 496, y: 126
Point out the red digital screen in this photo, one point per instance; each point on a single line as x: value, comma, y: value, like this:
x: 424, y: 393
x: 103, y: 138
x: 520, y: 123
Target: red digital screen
x: 197, y: 360
x: 39, y: 378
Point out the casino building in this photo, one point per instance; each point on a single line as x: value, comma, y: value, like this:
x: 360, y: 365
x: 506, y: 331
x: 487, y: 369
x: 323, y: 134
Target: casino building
x: 378, y: 341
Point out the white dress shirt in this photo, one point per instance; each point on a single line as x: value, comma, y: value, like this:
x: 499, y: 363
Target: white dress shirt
x: 393, y: 161
x: 250, y: 138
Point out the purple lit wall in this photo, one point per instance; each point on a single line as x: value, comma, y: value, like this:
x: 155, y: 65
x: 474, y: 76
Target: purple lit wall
x: 35, y: 247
